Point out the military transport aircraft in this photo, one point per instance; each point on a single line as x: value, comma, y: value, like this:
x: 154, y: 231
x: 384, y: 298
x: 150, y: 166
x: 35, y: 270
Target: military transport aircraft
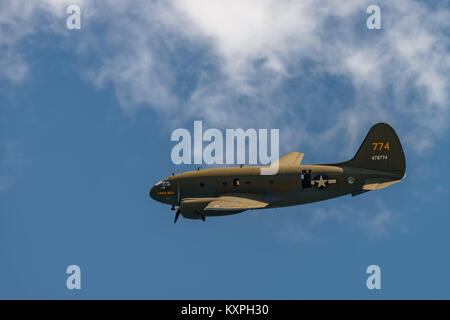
x: 379, y: 163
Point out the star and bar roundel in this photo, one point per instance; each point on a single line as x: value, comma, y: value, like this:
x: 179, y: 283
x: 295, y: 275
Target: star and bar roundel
x: 321, y: 181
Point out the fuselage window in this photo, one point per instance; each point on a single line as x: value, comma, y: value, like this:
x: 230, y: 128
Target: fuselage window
x: 271, y: 181
x: 202, y: 184
x: 236, y: 182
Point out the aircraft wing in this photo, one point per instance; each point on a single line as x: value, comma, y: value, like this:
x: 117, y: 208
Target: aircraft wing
x: 231, y: 203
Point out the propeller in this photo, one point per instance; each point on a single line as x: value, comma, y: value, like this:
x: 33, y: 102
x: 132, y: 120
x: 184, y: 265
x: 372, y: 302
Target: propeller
x: 177, y: 214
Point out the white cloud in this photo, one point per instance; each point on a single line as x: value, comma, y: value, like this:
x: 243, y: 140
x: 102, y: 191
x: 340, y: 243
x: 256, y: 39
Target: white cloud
x: 261, y: 63
x: 19, y: 20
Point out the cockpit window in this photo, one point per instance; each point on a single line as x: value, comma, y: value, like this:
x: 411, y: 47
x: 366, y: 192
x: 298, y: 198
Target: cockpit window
x: 164, y: 183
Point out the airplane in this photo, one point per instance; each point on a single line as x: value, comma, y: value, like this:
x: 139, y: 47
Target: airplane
x: 379, y: 163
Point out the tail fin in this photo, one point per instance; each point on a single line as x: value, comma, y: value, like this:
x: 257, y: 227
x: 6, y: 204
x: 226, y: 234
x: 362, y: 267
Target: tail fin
x: 381, y: 150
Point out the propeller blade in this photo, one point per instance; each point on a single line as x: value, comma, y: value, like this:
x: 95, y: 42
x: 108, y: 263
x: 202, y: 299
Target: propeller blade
x: 176, y: 216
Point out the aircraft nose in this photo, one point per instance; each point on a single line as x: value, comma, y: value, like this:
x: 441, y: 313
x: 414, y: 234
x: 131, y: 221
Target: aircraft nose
x: 152, y: 192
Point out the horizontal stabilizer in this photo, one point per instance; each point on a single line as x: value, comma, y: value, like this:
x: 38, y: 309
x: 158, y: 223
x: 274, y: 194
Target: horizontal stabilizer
x: 377, y: 184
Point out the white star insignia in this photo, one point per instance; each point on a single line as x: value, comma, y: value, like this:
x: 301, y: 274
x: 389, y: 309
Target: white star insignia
x: 321, y: 182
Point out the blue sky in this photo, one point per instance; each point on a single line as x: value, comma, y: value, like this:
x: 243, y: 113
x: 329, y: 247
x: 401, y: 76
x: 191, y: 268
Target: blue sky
x: 85, y: 124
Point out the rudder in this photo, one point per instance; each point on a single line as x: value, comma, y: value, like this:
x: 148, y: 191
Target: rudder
x: 381, y: 150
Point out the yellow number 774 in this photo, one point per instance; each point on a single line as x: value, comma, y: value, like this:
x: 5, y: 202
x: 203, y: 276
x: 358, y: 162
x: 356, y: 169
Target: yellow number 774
x: 380, y: 146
